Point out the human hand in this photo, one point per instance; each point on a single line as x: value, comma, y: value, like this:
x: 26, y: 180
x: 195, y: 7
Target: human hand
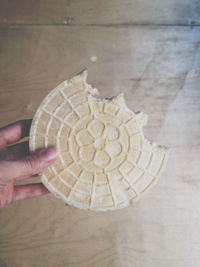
x: 16, y: 163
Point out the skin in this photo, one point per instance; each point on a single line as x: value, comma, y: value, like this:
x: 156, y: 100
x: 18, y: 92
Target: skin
x: 17, y: 163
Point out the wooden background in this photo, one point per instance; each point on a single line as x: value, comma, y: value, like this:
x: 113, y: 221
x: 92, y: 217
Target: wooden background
x: 149, y: 49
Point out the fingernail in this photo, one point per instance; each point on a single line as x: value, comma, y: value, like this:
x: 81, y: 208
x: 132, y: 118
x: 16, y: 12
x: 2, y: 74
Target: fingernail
x: 49, y: 154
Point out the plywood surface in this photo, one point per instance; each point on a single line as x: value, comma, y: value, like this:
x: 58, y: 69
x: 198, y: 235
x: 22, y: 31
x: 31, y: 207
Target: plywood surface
x: 33, y: 12
x: 92, y: 12
x: 134, y: 12
x: 158, y: 69
x: 125, y: 49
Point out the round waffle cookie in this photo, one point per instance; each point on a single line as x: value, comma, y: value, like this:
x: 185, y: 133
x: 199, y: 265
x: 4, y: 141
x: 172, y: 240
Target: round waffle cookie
x: 104, y: 160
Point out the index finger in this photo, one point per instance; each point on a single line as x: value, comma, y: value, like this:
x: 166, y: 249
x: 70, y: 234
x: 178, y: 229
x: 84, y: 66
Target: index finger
x: 29, y: 191
x: 15, y: 131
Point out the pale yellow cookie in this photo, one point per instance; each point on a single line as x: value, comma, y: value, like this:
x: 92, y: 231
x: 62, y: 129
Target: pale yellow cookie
x: 104, y: 161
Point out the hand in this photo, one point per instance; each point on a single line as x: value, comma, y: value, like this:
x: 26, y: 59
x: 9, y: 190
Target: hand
x: 16, y: 163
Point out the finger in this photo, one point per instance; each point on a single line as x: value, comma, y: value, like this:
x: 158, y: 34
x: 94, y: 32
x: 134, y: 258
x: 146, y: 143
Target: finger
x: 14, y: 132
x: 29, y: 191
x: 15, y: 152
x: 33, y: 164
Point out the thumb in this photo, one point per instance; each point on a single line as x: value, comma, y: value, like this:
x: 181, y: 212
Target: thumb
x: 29, y: 166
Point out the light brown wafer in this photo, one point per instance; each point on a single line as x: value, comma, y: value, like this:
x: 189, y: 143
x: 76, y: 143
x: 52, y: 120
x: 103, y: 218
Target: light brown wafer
x: 104, y: 161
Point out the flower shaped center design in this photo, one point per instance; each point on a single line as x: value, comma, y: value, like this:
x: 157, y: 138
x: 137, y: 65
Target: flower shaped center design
x: 97, y: 144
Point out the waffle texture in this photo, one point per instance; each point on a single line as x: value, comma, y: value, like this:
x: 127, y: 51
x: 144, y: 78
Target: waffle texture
x: 104, y: 160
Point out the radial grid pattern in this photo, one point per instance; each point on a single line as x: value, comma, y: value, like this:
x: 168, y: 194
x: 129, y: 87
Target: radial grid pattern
x: 104, y: 160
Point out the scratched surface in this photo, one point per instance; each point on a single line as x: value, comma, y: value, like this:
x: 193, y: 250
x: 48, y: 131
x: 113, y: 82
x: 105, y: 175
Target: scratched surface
x: 95, y: 12
x: 158, y: 69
